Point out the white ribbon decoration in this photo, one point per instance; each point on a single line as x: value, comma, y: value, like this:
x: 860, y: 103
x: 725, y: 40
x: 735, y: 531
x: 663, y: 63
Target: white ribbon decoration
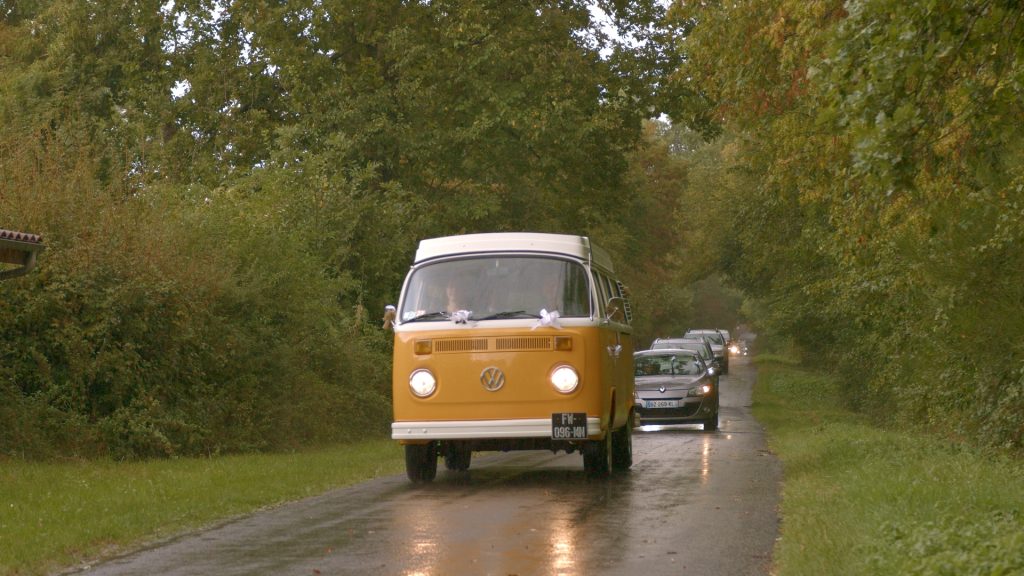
x: 547, y: 319
x: 461, y: 316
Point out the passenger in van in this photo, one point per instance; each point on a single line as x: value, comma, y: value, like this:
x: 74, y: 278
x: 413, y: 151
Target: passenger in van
x: 457, y: 292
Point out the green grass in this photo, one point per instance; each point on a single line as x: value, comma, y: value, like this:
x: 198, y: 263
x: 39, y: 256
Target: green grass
x: 861, y: 500
x: 55, y: 515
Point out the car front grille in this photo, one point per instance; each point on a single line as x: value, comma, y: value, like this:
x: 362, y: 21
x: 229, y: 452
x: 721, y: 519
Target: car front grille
x: 684, y: 411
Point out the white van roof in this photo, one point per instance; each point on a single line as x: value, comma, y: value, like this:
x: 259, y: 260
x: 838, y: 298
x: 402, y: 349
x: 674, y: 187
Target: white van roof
x: 565, y: 244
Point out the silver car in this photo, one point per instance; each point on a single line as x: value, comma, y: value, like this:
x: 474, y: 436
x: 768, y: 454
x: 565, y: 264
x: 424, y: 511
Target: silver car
x: 698, y: 344
x: 718, y: 345
x: 674, y: 386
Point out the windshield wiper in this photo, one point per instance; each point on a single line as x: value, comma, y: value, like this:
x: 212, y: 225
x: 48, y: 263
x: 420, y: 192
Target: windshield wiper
x: 510, y: 314
x: 428, y: 316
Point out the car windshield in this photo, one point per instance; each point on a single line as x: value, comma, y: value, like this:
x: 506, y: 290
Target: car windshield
x: 497, y: 287
x: 715, y: 336
x: 678, y: 364
x: 661, y: 345
x: 698, y: 346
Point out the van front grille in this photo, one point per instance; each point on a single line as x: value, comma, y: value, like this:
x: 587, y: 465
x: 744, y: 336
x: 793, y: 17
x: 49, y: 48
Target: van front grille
x: 461, y: 345
x: 500, y: 344
x: 523, y: 343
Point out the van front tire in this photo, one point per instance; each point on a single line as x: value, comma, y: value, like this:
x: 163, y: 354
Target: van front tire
x: 597, y: 456
x: 421, y: 462
x: 622, y: 447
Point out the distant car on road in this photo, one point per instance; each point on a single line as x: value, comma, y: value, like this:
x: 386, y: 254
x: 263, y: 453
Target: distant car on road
x: 674, y: 386
x: 700, y: 345
x: 738, y: 348
x: 718, y: 344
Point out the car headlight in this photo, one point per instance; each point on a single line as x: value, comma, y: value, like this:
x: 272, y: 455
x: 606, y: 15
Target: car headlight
x: 702, y: 390
x: 734, y: 349
x: 422, y: 382
x: 711, y: 370
x: 564, y: 379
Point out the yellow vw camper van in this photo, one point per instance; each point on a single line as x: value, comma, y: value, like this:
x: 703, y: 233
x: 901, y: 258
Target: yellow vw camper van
x: 512, y: 341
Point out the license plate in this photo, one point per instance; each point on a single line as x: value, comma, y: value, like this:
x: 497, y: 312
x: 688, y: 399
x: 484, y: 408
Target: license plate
x: 662, y: 404
x: 569, y: 426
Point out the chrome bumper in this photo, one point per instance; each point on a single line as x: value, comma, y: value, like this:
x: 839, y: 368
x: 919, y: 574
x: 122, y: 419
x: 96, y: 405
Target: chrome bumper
x: 477, y: 429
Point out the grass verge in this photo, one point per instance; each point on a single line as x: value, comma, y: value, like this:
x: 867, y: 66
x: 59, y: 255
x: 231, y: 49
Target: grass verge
x: 861, y: 500
x: 55, y: 515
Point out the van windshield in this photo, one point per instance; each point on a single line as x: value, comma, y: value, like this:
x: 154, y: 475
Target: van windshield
x: 497, y: 286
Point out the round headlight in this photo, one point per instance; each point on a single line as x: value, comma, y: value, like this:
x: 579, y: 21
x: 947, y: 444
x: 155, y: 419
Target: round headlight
x: 422, y: 383
x: 564, y: 379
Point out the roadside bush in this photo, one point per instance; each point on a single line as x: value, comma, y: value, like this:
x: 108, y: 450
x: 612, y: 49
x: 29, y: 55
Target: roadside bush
x: 157, y: 327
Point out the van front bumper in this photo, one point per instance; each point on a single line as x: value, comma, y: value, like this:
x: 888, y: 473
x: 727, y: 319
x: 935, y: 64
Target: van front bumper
x: 479, y: 429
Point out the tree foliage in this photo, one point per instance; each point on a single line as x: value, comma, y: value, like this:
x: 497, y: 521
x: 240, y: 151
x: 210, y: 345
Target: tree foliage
x: 229, y: 192
x: 877, y: 155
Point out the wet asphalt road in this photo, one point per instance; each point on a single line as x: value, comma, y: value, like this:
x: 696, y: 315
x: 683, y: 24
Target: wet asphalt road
x: 693, y: 503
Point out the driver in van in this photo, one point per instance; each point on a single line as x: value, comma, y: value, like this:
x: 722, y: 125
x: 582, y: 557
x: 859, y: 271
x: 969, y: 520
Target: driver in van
x: 548, y: 295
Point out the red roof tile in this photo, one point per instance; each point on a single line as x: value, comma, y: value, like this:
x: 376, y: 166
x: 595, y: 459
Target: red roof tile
x: 20, y: 236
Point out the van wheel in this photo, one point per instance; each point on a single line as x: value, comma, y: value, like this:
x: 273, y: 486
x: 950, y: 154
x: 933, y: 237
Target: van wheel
x: 421, y: 461
x: 622, y: 446
x: 597, y: 457
x: 457, y: 457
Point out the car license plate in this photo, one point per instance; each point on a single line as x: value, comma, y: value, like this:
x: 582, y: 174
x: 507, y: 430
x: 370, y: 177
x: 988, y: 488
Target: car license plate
x: 663, y: 404
x: 569, y: 425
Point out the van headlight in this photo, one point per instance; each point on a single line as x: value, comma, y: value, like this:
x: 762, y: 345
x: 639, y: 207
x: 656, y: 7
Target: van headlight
x: 564, y: 379
x: 422, y: 382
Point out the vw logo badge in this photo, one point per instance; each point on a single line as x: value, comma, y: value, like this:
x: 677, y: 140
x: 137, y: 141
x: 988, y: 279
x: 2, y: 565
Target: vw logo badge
x: 661, y: 389
x: 492, y: 378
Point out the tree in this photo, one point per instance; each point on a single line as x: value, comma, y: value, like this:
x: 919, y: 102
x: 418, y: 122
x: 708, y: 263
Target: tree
x: 883, y: 174
x: 227, y: 189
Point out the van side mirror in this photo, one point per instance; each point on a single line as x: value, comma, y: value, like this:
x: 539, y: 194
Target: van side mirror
x: 389, y: 317
x: 616, y: 309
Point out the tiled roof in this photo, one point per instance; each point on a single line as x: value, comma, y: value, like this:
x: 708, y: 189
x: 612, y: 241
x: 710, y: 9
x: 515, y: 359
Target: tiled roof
x: 20, y: 236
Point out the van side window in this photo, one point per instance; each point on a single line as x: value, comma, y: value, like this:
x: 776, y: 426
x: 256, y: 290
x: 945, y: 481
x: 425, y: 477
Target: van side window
x: 609, y: 289
x: 601, y: 296
x: 625, y: 298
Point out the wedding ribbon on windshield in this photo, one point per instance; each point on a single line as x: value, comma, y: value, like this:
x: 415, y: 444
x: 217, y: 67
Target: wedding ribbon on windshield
x: 547, y: 319
x: 461, y: 316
